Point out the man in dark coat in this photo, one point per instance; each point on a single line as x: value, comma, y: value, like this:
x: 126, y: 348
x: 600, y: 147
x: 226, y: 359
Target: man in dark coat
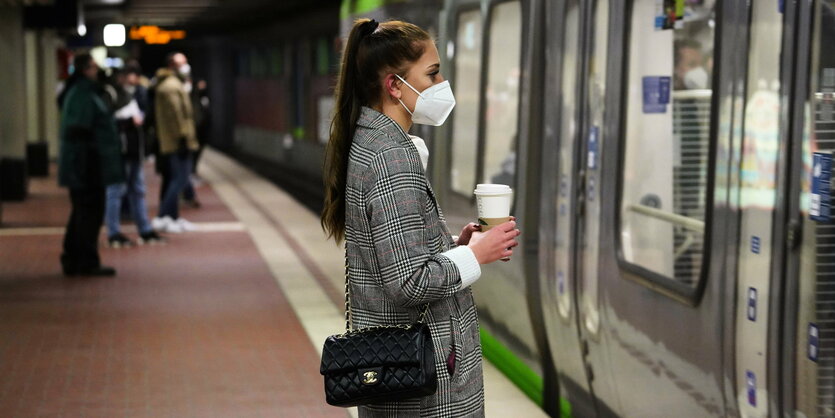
x: 89, y: 160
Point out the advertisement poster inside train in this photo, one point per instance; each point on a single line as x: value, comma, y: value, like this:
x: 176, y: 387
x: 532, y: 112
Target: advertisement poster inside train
x: 656, y: 92
x: 670, y: 14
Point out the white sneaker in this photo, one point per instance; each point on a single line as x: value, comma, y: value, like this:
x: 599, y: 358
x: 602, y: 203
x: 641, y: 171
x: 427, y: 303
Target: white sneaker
x: 172, y: 227
x: 185, y: 225
x: 159, y: 224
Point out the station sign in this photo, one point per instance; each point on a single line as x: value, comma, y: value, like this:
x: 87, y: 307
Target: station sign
x: 155, y: 35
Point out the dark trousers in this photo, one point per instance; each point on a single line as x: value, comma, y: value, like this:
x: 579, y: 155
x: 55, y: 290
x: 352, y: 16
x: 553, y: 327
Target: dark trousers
x: 81, y: 249
x: 179, y: 167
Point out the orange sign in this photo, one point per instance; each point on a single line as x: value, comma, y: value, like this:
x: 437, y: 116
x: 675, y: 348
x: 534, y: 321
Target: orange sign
x: 155, y: 34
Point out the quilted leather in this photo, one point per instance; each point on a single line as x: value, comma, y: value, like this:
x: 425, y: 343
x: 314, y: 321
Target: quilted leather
x: 401, y: 357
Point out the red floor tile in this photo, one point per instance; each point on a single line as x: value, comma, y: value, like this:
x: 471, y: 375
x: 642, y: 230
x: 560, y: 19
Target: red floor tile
x: 194, y: 328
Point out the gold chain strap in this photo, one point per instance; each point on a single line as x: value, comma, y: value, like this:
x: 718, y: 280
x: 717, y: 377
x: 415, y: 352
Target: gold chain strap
x: 348, y: 318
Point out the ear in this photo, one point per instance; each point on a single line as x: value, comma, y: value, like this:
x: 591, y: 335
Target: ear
x: 391, y: 85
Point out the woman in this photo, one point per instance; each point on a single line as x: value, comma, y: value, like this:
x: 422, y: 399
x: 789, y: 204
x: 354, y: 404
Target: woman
x: 401, y: 255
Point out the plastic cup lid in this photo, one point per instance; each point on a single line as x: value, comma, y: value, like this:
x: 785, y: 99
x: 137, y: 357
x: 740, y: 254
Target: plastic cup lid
x: 492, y: 189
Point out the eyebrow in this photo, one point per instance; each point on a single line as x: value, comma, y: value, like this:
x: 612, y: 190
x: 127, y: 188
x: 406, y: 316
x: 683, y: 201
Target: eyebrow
x: 435, y: 65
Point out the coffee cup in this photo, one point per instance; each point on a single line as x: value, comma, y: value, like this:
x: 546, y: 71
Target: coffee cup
x: 493, y: 201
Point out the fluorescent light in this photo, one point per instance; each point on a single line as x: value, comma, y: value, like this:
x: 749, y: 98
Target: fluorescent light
x: 82, y: 29
x: 114, y: 34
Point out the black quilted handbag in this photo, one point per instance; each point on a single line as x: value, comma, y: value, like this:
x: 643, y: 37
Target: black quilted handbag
x: 378, y: 364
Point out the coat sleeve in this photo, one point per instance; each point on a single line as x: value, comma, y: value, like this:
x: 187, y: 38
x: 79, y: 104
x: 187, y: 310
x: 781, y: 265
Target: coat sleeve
x: 396, y: 198
x: 79, y: 112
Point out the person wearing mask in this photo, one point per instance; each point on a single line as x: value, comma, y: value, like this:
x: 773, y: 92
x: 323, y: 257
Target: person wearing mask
x: 129, y: 122
x: 89, y: 160
x: 200, y: 104
x: 401, y: 255
x: 688, y: 72
x: 177, y: 139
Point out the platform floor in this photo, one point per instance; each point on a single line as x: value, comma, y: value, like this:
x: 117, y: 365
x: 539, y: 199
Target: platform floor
x: 225, y: 321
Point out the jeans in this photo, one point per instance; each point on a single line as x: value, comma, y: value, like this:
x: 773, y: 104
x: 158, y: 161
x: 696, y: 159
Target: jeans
x: 81, y: 240
x: 135, y: 190
x: 179, y: 169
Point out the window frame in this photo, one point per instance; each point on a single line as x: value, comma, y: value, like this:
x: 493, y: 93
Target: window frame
x: 453, y: 77
x: 485, y: 61
x: 668, y: 286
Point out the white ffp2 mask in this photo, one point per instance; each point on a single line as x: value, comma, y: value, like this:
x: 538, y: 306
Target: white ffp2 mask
x: 433, y: 105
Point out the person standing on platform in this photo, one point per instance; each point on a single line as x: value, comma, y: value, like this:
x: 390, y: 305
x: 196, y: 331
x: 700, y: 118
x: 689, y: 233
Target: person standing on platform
x: 177, y: 140
x: 401, y: 256
x: 89, y: 160
x: 129, y: 122
x: 200, y: 104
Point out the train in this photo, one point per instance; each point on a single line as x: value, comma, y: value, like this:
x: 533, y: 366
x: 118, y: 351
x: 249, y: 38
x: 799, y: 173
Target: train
x: 671, y: 165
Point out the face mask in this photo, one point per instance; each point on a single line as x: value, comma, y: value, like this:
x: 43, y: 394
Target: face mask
x: 130, y: 89
x: 184, y: 69
x: 423, y: 151
x: 187, y: 86
x: 696, y: 78
x: 433, y: 105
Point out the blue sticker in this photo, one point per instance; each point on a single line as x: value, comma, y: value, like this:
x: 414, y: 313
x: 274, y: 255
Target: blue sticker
x: 781, y: 6
x: 591, y: 189
x: 820, y: 205
x: 752, y: 304
x: 656, y: 94
x: 751, y: 385
x: 814, y: 342
x: 755, y: 244
x: 594, y: 135
x: 564, y: 186
x: 560, y: 282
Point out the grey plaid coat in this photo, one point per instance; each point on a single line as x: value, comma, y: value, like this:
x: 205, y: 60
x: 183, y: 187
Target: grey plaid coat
x: 395, y: 234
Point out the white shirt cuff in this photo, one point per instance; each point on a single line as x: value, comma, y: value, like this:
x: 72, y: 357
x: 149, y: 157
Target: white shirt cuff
x: 468, y: 267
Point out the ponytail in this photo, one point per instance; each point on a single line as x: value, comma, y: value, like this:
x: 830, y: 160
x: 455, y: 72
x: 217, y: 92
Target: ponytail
x: 372, y: 50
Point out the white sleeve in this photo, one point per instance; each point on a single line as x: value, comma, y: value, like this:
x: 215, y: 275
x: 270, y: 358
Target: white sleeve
x: 468, y: 267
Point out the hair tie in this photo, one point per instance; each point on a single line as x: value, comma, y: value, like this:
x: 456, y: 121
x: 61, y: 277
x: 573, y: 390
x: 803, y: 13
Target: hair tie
x: 369, y: 27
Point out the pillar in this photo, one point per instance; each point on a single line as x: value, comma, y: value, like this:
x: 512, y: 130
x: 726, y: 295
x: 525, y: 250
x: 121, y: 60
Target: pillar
x: 13, y: 178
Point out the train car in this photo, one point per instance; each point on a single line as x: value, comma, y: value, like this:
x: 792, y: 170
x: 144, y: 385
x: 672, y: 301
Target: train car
x: 671, y: 163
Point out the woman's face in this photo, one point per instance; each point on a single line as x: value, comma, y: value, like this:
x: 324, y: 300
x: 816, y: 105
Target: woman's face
x: 424, y: 73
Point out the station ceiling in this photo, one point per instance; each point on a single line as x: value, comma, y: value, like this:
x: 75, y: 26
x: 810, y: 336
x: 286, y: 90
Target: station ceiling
x: 200, y: 15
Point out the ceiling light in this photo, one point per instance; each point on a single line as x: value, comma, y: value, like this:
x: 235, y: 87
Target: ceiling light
x: 114, y: 34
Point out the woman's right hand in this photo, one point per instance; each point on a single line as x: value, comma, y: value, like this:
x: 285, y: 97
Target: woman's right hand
x: 495, y: 244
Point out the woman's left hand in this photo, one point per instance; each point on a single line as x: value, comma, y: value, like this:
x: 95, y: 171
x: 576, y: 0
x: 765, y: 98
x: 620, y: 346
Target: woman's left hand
x: 467, y: 233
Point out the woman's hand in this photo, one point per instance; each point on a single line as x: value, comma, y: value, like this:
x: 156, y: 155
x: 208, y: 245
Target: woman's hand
x: 494, y: 244
x: 467, y: 233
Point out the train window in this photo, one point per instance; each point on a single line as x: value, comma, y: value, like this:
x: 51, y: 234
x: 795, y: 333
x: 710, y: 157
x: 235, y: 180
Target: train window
x: 465, y: 119
x: 502, y: 93
x: 665, y: 163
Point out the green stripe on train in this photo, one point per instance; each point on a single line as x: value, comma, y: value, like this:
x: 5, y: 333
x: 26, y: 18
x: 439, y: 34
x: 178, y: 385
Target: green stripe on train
x: 517, y: 371
x: 358, y: 7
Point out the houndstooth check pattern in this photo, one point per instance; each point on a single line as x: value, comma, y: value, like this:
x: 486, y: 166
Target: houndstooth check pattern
x: 395, y: 234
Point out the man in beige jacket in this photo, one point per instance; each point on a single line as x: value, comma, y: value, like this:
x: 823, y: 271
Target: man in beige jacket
x: 177, y: 139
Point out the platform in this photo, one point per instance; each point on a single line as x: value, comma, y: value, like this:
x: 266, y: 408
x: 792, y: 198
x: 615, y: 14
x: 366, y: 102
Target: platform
x: 224, y: 321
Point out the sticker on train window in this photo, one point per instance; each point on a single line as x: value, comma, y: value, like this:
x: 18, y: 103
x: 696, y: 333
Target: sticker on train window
x: 820, y: 198
x: 755, y: 244
x: 594, y: 134
x: 814, y: 342
x: 751, y: 385
x: 656, y: 94
x: 752, y: 304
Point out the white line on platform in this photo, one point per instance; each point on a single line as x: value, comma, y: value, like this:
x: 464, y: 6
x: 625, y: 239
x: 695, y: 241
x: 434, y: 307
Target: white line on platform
x: 59, y: 230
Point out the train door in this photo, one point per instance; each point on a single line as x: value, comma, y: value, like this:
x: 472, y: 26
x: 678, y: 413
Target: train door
x: 652, y: 226
x: 559, y: 206
x: 809, y: 357
x: 486, y: 140
x: 754, y: 265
